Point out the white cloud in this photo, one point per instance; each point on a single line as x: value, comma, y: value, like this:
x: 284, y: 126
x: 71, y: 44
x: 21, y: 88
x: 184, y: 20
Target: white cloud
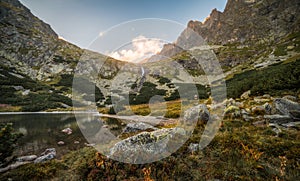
x: 142, y: 48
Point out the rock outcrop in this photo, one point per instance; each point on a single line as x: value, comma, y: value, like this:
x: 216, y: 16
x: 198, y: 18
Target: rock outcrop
x: 249, y: 20
x: 138, y: 126
x: 287, y: 107
x: 148, y: 146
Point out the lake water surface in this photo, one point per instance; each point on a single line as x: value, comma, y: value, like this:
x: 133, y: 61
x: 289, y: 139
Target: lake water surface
x: 43, y: 130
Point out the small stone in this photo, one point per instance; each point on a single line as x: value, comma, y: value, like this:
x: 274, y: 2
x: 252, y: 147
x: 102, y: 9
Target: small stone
x: 258, y: 110
x: 246, y: 95
x: 17, y: 88
x: 197, y: 113
x: 239, y: 104
x: 248, y: 118
x: 193, y: 147
x: 232, y: 112
x: 67, y: 131
x: 291, y: 47
x: 268, y: 108
x: 276, y: 128
x: 266, y: 96
x: 105, y: 126
x: 25, y: 93
x: 76, y: 142
x: 261, y: 100
x: 259, y: 123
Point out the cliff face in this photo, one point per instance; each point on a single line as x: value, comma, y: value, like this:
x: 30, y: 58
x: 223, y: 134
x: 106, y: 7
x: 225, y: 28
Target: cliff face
x: 30, y: 45
x: 246, y: 21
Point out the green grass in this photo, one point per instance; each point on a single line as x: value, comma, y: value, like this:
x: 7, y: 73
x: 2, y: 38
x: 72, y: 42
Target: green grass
x: 280, y: 51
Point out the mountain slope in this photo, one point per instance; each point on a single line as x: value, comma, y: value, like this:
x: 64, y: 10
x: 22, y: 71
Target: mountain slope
x: 248, y: 34
x: 36, y: 65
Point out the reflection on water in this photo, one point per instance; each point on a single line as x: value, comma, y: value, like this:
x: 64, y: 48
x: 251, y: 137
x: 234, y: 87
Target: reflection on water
x: 43, y: 131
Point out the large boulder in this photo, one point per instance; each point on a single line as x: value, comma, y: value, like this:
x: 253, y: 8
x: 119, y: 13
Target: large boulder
x: 287, y: 107
x: 148, y: 146
x: 138, y: 126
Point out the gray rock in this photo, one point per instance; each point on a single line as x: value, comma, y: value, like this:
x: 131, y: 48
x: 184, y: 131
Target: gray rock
x: 232, y: 112
x: 197, y: 113
x: 244, y: 112
x: 246, y: 95
x: 26, y: 158
x: 258, y: 110
x: 291, y: 98
x: 266, y: 96
x: 247, y: 117
x: 230, y: 102
x: 295, y: 114
x: 60, y: 143
x: 26, y: 92
x: 13, y: 166
x: 259, y: 123
x: 268, y: 108
x: 48, y: 154
x: 239, y: 104
x: 285, y: 106
x: 67, y: 131
x: 291, y: 125
x: 17, y: 88
x: 278, y: 119
x: 193, y: 147
x: 146, y: 146
x: 139, y: 126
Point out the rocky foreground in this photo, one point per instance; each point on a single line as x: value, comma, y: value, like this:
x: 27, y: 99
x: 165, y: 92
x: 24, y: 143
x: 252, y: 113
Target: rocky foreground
x: 260, y: 133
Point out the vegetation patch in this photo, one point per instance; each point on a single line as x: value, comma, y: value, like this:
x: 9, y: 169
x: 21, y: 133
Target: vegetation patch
x: 274, y: 80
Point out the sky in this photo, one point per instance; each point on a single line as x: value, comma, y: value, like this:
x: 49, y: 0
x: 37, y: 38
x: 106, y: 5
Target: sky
x: 82, y: 22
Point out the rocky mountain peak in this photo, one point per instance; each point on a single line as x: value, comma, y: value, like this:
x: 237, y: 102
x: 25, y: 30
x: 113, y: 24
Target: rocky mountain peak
x: 247, y: 23
x: 249, y: 20
x: 13, y: 13
x: 30, y: 45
